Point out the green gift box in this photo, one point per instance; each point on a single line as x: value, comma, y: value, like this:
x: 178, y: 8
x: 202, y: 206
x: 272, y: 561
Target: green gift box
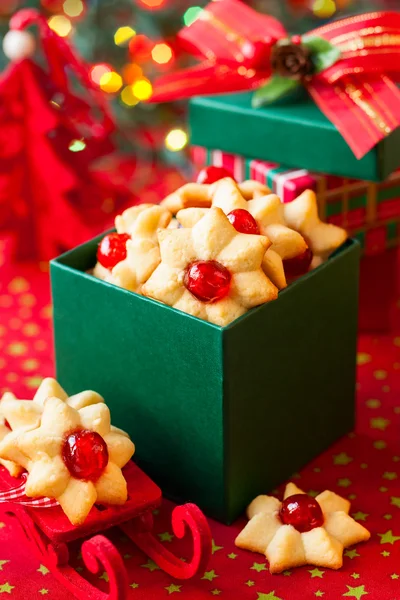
x: 294, y: 133
x: 218, y: 415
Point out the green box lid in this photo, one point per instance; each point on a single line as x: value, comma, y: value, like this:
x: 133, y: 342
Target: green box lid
x: 296, y: 134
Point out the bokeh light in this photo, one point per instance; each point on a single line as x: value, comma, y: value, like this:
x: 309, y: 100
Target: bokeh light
x: 123, y: 35
x: 73, y: 8
x: 162, y: 53
x: 131, y: 72
x: 128, y: 97
x: 192, y: 14
x: 324, y: 8
x: 77, y: 145
x: 152, y: 4
x: 142, y: 89
x: 111, y: 82
x: 98, y: 71
x: 176, y: 140
x: 61, y: 25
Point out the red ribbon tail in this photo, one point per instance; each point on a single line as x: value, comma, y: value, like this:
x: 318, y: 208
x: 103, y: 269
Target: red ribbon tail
x: 365, y: 111
x: 207, y: 78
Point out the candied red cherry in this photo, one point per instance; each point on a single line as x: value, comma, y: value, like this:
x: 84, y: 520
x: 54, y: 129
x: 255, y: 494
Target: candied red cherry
x: 298, y: 265
x: 212, y: 174
x: 243, y: 221
x: 112, y: 249
x: 85, y: 454
x: 302, y: 512
x: 208, y: 280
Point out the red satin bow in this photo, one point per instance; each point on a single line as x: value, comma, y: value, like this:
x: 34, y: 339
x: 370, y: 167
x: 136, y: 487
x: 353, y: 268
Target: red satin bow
x: 357, y: 93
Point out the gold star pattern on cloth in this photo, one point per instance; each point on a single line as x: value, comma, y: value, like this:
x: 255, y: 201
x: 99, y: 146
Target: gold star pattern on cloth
x: 213, y: 238
x: 302, y: 215
x: 143, y: 253
x: 199, y: 195
x: 285, y: 547
x: 40, y: 452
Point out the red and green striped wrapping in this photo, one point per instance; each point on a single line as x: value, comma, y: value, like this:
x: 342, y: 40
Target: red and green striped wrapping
x: 369, y: 211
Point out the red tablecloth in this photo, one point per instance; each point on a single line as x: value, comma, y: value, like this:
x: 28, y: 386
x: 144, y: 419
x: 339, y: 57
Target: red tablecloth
x: 365, y: 467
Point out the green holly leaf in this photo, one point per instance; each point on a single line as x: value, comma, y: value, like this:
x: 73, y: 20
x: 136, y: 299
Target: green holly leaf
x: 276, y: 88
x: 324, y: 54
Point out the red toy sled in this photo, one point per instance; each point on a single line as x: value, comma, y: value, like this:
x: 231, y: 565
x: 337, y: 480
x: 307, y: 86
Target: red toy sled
x: 48, y: 531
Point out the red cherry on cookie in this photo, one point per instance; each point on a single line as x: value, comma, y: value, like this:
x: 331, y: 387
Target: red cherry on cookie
x: 298, y: 265
x: 302, y: 512
x: 112, y: 249
x: 213, y: 174
x: 85, y: 454
x: 243, y: 221
x: 208, y: 280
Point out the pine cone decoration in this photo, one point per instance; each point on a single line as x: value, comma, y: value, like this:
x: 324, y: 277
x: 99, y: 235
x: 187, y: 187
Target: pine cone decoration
x: 292, y: 61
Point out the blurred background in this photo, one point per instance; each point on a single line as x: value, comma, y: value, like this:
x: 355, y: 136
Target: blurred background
x: 126, y: 44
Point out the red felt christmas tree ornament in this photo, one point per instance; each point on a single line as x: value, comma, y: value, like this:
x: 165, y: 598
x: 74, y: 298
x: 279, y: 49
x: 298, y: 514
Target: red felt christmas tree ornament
x: 50, y: 139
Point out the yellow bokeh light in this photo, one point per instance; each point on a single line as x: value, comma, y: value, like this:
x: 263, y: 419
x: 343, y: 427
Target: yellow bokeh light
x: 161, y: 53
x: 123, y: 35
x: 60, y: 25
x: 176, y: 140
x: 73, y: 8
x: 324, y: 8
x: 142, y: 89
x: 111, y: 82
x: 128, y: 97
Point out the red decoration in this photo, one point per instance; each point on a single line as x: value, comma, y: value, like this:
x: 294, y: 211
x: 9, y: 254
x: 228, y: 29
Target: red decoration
x: 243, y: 221
x: 85, y: 455
x: 112, y: 249
x: 357, y: 93
x: 302, y: 512
x: 47, y: 532
x: 298, y: 265
x: 50, y: 140
x: 207, y: 280
x: 212, y: 174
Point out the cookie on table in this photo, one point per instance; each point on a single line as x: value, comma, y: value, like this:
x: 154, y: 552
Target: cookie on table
x: 301, y: 530
x: 211, y: 271
x: 137, y: 251
x: 73, y: 456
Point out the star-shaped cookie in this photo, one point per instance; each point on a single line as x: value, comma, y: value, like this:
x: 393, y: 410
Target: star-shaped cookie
x: 213, y: 238
x: 286, y: 547
x: 43, y: 451
x: 199, y: 195
x: 302, y: 215
x: 143, y: 253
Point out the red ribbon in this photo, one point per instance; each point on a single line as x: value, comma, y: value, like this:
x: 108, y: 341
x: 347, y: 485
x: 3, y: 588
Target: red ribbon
x: 357, y: 93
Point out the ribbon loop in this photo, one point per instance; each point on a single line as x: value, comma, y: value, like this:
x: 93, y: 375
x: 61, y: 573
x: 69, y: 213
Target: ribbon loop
x: 357, y: 93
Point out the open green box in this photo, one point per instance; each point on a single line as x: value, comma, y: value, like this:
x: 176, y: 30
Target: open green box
x: 218, y: 415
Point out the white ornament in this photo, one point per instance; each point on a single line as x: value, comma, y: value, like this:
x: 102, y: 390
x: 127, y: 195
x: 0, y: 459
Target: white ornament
x: 18, y: 45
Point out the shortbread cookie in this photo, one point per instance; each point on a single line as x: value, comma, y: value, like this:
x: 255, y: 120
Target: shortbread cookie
x: 302, y: 215
x: 301, y: 530
x: 13, y: 468
x: 211, y: 271
x: 73, y: 457
x: 199, y: 195
x: 268, y: 213
x: 142, y: 254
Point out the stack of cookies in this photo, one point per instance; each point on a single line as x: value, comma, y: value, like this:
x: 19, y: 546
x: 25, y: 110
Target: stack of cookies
x: 216, y: 249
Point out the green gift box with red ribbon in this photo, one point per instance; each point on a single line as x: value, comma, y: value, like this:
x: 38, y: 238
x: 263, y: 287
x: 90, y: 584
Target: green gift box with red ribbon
x: 326, y: 101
